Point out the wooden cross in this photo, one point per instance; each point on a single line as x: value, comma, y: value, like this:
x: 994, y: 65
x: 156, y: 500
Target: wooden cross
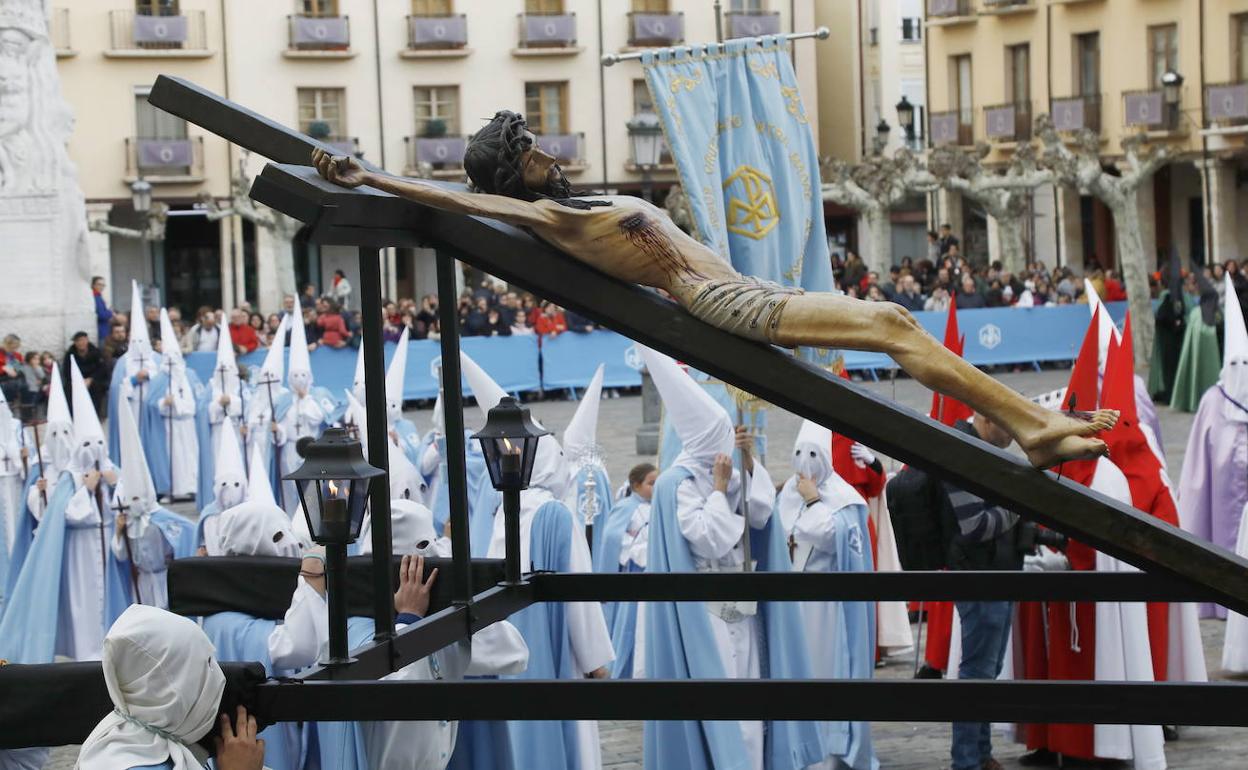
x: 121, y: 508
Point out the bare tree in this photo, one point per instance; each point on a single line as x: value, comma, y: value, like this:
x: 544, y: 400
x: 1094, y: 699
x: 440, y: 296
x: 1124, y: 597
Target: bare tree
x: 872, y: 188
x: 1082, y: 169
x: 1004, y: 195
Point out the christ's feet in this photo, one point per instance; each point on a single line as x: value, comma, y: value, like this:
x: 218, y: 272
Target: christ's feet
x: 1065, y: 438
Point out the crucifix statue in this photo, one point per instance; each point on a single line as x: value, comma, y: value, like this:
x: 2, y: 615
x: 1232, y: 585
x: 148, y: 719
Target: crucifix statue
x: 634, y: 241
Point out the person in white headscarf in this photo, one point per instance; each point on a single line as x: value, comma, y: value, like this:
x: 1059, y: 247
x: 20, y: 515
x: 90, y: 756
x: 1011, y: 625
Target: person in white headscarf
x: 166, y: 686
x: 825, y: 522
x: 308, y: 413
x: 146, y: 535
x: 173, y: 398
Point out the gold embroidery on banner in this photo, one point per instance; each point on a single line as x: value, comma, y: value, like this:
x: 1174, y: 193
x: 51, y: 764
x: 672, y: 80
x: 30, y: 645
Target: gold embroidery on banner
x: 793, y: 102
x: 757, y: 214
x: 763, y: 69
x: 688, y: 84
x: 712, y: 156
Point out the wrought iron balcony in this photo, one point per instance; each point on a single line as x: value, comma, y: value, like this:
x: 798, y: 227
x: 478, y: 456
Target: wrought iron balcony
x: 949, y: 9
x: 319, y: 33
x: 655, y: 29
x: 1007, y: 6
x: 547, y: 30
x: 1075, y: 113
x: 1226, y: 104
x: 568, y: 149
x: 165, y: 160
x: 752, y: 23
x: 142, y: 34
x: 433, y: 33
x: 951, y: 127
x: 445, y: 154
x: 1009, y: 122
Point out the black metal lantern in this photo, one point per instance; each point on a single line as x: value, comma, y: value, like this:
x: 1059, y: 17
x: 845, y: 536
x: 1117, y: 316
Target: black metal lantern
x: 1172, y: 86
x: 333, y: 485
x: 881, y: 131
x: 905, y: 116
x: 509, y: 442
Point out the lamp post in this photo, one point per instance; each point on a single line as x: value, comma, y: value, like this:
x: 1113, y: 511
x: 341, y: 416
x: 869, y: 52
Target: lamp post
x: 905, y: 119
x: 141, y: 199
x: 645, y: 133
x: 333, y: 486
x: 1172, y: 94
x: 882, y: 130
x: 509, y: 443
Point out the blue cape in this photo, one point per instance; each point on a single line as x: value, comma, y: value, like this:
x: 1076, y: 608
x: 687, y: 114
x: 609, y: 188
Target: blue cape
x: 547, y: 745
x: 341, y: 744
x: 483, y: 499
x: 179, y: 532
x: 240, y: 637
x: 207, y: 452
x: 114, y: 393
x: 680, y: 645
x: 28, y: 626
x: 24, y: 531
x: 154, y: 430
x: 608, y: 532
x: 602, y: 491
x: 623, y: 625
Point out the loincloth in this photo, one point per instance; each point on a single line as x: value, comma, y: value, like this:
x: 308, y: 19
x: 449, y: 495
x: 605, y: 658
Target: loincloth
x: 747, y: 306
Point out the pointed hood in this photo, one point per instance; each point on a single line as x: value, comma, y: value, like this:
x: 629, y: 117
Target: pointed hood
x: 258, y: 528
x: 1234, y: 377
x: 1082, y: 394
x: 357, y: 415
x: 438, y: 417
x: 299, y: 376
x: 170, y: 348
x: 259, y: 489
x: 411, y: 526
x: 405, y: 480
x: 88, y: 434
x: 705, y: 429
x: 581, y: 436
x: 812, y: 452
x: 1106, y: 332
x: 58, y: 438
x: 224, y: 379
x: 58, y: 406
x: 139, y: 342
x: 396, y: 373
x: 357, y: 382
x: 137, y: 491
x: 1118, y: 392
x: 483, y: 387
x: 274, y: 365
x: 946, y: 409
x: 229, y: 479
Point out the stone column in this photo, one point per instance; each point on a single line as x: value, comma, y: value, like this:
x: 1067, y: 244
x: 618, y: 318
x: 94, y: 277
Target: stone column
x: 228, y: 245
x: 1070, y: 229
x: 1220, y: 205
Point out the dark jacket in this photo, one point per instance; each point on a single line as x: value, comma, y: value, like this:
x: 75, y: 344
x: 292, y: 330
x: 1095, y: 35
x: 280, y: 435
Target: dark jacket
x: 91, y: 364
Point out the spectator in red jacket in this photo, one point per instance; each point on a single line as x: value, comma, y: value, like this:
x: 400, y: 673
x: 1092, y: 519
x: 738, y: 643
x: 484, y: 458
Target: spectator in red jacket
x: 551, y: 321
x: 1114, y: 291
x: 241, y: 332
x: 334, y: 331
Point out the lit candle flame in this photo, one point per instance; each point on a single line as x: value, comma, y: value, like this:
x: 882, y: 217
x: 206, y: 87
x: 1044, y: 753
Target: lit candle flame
x: 333, y: 489
x: 511, y: 449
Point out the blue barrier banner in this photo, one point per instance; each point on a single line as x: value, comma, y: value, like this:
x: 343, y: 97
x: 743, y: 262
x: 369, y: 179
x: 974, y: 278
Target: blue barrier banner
x: 569, y: 360
x: 1006, y: 335
x: 511, y: 361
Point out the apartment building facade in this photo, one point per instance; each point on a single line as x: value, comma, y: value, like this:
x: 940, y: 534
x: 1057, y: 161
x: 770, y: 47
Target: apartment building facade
x: 1173, y: 70
x: 402, y: 83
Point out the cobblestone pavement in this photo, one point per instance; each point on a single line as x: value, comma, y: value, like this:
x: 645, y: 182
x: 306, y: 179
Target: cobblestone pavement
x: 899, y: 746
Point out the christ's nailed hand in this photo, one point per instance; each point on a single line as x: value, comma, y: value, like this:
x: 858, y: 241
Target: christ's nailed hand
x: 340, y: 169
x: 238, y: 748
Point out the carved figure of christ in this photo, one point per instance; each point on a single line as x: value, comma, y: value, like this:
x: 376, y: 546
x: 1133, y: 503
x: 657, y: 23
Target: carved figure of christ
x: 635, y: 241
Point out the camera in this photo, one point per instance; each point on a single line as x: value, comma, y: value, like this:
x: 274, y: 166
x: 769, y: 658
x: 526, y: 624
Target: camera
x: 1028, y: 536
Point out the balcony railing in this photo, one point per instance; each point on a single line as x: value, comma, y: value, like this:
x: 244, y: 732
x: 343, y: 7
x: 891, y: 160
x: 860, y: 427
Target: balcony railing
x: 655, y: 29
x: 1226, y: 104
x: 945, y: 9
x: 1006, y: 6
x: 346, y: 145
x: 432, y: 33
x: 547, y: 30
x: 568, y: 149
x: 752, y: 23
x: 1009, y: 122
x: 142, y: 32
x: 1075, y: 113
x: 1147, y: 109
x: 58, y: 29
x: 443, y: 153
x: 319, y: 33
x: 160, y: 160
x: 951, y: 127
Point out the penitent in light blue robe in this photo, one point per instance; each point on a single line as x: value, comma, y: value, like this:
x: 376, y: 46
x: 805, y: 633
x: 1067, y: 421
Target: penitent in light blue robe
x: 483, y: 498
x: 621, y: 617
x: 680, y: 645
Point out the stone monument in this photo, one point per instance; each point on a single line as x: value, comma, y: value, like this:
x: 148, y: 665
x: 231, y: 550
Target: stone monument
x: 46, y: 293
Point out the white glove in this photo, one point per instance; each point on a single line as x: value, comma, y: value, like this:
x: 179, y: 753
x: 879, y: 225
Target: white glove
x: 861, y: 454
x: 1033, y: 563
x: 1053, y: 561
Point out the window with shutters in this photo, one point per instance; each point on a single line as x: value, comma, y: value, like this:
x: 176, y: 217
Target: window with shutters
x: 1163, y: 51
x: 543, y: 6
x: 1018, y: 74
x: 546, y: 107
x: 157, y: 7
x: 1088, y: 64
x: 651, y: 6
x: 748, y: 5
x: 432, y: 7
x: 437, y: 103
x: 1239, y: 45
x: 322, y: 106
x: 153, y: 123
x: 319, y: 8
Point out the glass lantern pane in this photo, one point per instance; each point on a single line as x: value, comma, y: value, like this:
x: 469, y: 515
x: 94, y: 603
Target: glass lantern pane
x: 530, y: 454
x: 357, y: 502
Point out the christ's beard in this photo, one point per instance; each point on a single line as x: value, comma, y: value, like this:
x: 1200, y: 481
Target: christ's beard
x: 558, y: 186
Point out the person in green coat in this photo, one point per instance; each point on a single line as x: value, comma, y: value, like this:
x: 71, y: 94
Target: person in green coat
x: 1200, y: 360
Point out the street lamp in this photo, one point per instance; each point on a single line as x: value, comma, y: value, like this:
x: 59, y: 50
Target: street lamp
x: 645, y: 133
x: 509, y: 443
x: 141, y: 198
x: 333, y: 491
x: 905, y: 117
x: 881, y: 136
x: 1172, y: 92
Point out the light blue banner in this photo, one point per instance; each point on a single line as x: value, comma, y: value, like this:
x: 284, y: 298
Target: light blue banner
x: 570, y: 360
x: 734, y: 121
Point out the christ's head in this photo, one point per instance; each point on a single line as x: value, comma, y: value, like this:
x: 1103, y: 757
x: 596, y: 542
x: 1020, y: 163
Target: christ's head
x: 503, y: 158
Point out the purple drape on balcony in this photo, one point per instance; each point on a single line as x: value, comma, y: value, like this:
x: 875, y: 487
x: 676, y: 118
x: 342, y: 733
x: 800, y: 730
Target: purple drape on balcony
x: 159, y: 29
x: 1068, y: 114
x: 1143, y: 109
x: 550, y: 29
x: 658, y: 26
x: 561, y: 146
x: 330, y: 30
x: 999, y: 122
x: 1227, y: 102
x: 447, y: 149
x: 159, y: 153
x: 439, y: 30
x: 942, y: 7
x: 753, y: 25
x: 944, y: 128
